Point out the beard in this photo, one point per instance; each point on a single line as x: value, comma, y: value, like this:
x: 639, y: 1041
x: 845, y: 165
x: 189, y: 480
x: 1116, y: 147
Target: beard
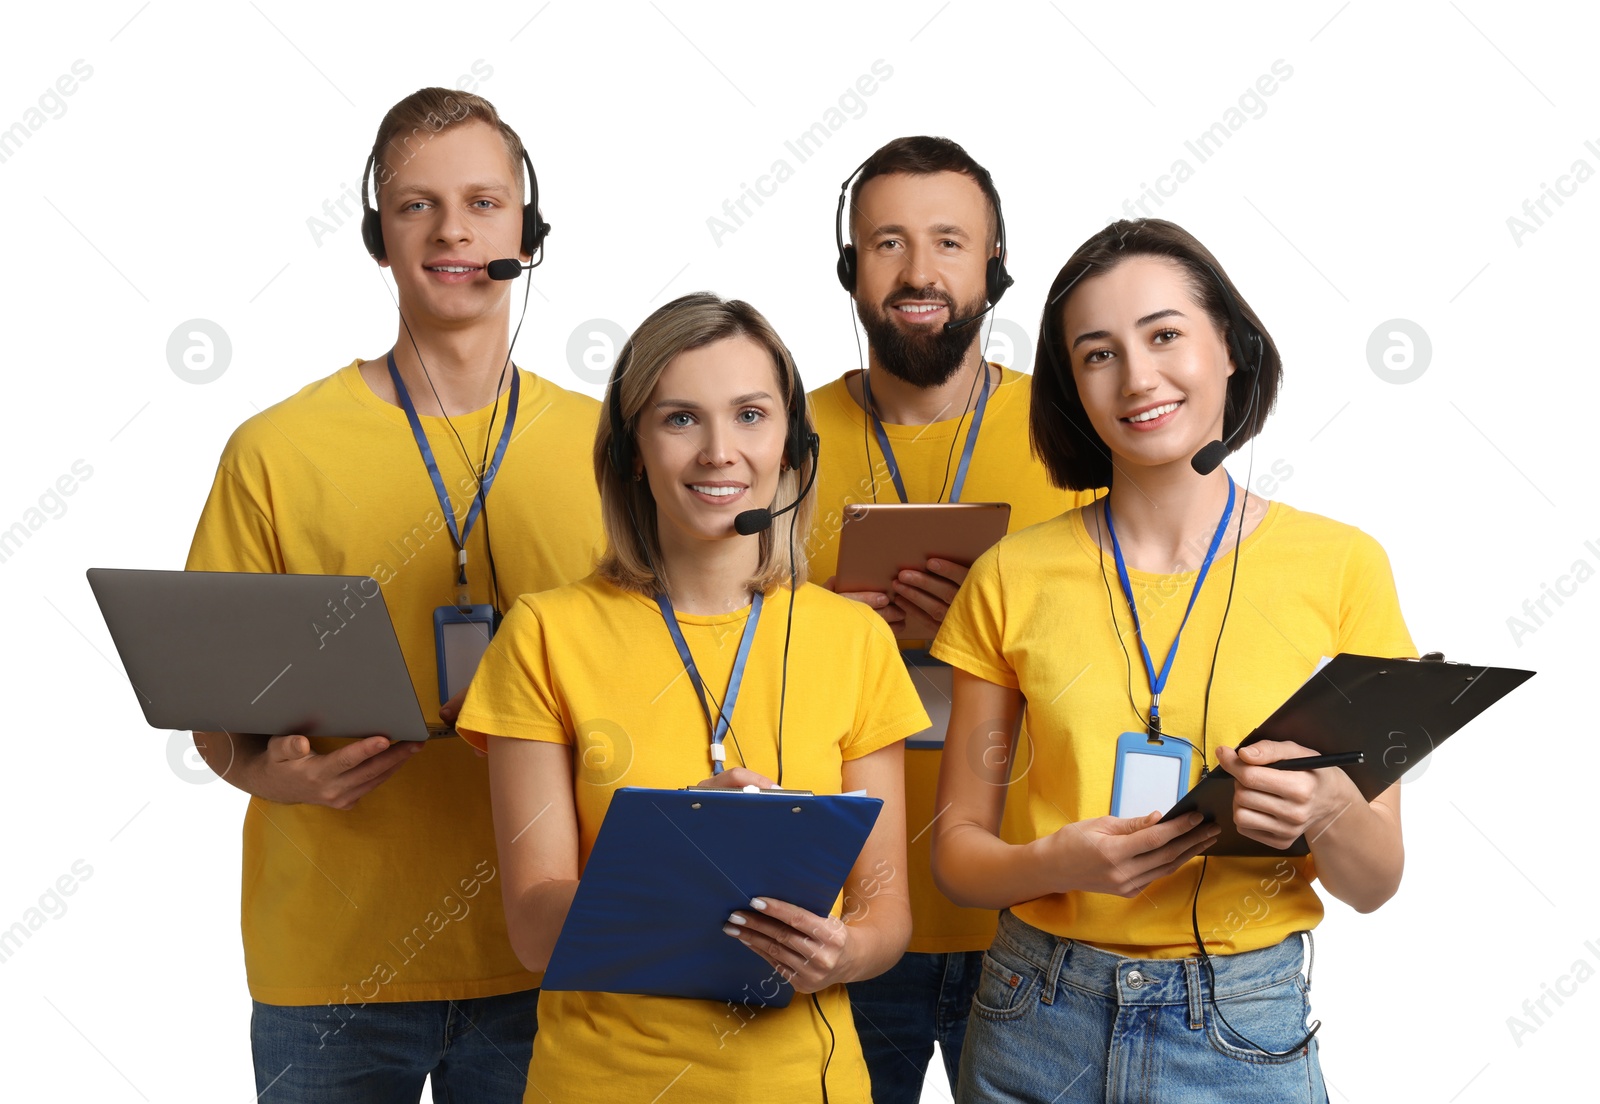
x: 920, y: 359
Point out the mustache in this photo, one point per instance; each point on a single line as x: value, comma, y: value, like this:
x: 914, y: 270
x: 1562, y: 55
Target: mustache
x: 913, y: 295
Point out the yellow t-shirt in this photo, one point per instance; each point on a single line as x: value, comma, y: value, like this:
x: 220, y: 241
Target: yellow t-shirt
x: 398, y: 898
x: 1002, y: 470
x: 1034, y: 616
x: 593, y: 666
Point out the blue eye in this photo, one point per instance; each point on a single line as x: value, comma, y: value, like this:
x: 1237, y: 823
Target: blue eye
x: 680, y: 419
x: 754, y: 415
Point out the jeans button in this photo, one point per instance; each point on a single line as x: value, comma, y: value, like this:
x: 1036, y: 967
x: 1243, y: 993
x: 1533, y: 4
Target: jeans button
x: 1135, y: 979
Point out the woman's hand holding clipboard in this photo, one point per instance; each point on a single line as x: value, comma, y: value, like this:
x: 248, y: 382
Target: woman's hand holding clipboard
x: 1394, y: 712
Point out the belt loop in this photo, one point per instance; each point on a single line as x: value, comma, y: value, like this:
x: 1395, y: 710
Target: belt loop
x: 1311, y: 956
x: 1057, y: 958
x: 1191, y: 975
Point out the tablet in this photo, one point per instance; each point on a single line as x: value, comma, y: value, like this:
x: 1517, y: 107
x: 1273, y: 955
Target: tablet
x: 263, y: 653
x: 879, y: 540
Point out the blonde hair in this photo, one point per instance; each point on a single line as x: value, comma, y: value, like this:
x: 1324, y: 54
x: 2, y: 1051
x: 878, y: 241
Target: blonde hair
x: 633, y: 558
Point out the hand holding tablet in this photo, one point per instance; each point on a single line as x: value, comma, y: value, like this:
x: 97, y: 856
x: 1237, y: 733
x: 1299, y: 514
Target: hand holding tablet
x: 934, y: 543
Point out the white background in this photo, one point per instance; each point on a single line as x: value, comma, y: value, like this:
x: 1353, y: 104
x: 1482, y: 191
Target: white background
x: 1376, y: 184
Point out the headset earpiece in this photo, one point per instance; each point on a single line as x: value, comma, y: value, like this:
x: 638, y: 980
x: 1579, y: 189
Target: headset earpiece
x: 798, y: 440
x: 1241, y: 334
x: 799, y: 444
x: 847, y: 268
x: 534, y: 228
x: 371, y: 227
x: 995, y: 278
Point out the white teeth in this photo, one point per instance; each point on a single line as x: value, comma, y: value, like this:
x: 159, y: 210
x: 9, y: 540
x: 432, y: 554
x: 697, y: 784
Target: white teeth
x: 451, y: 268
x: 917, y: 309
x: 716, y: 492
x: 1154, y: 413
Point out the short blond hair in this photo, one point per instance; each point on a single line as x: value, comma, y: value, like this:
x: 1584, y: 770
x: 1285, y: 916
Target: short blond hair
x: 426, y: 113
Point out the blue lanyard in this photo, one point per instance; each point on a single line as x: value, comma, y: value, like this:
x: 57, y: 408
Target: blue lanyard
x: 735, y: 679
x: 966, y: 449
x: 458, y: 536
x: 1158, y: 683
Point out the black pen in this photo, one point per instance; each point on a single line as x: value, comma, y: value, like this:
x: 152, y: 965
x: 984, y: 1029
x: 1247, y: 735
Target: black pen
x: 1317, y: 762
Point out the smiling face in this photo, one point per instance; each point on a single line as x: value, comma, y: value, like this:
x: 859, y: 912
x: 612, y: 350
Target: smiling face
x: 450, y: 203
x: 922, y: 247
x: 710, y: 440
x: 1150, y: 365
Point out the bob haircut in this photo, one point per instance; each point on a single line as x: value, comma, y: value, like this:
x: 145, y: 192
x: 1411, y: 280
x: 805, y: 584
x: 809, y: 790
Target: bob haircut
x: 633, y: 558
x: 1058, y: 425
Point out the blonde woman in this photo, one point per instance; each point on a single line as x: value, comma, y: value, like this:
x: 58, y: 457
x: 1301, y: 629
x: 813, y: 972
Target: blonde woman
x: 706, y: 421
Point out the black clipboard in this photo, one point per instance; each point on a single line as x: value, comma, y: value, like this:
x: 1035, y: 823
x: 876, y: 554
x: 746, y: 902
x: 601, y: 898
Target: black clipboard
x: 1397, y: 711
x: 667, y: 868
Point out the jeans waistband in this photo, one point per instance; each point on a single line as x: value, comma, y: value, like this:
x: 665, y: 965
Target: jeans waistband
x: 1146, y: 981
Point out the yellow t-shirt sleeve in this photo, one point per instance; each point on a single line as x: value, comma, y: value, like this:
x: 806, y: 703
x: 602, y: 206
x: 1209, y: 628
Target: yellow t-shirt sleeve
x: 887, y: 706
x: 235, y: 532
x: 513, y: 693
x: 972, y: 636
x: 1370, y: 622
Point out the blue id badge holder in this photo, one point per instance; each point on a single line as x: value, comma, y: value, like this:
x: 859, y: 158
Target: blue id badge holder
x: 934, y: 680
x: 460, y: 635
x: 1151, y: 774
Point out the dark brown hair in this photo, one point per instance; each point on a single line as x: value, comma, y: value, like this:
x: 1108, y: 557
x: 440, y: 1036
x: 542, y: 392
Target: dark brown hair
x: 1062, y: 436
x: 920, y: 155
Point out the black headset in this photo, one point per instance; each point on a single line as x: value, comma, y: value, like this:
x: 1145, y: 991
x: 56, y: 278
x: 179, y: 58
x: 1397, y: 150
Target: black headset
x: 797, y: 440
x: 995, y: 277
x: 1240, y: 332
x: 534, y: 228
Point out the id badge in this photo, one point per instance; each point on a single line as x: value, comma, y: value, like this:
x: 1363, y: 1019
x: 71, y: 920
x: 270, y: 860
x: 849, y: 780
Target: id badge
x: 460, y: 637
x: 1150, y: 776
x: 935, y: 683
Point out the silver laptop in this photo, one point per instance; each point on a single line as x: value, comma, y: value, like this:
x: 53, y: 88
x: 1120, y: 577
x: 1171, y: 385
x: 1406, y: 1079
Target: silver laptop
x: 270, y: 654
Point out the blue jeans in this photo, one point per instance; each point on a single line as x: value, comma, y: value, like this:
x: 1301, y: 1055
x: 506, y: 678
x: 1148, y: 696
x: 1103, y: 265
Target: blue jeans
x: 1059, y: 1021
x: 381, y: 1053
x: 899, y: 1015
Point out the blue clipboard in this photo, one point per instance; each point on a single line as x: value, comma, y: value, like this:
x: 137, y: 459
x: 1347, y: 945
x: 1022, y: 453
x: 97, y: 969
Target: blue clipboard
x: 667, y: 868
